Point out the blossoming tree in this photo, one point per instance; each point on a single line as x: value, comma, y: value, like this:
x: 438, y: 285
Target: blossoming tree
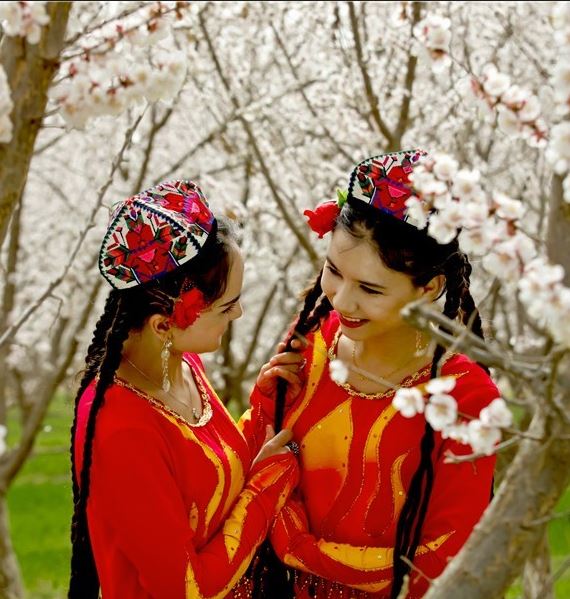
x: 268, y: 106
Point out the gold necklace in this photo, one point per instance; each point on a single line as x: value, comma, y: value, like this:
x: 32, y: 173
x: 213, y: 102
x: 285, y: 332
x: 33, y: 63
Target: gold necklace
x: 195, y: 412
x: 363, y: 377
x: 406, y: 382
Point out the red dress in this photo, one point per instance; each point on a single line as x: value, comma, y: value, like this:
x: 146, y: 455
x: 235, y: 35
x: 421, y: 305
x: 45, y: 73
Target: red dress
x: 357, y: 457
x: 174, y: 510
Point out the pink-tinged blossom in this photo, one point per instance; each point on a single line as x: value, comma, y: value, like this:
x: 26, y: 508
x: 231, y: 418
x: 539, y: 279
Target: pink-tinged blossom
x: 23, y: 19
x: 483, y: 438
x: 441, y: 411
x: 408, y: 401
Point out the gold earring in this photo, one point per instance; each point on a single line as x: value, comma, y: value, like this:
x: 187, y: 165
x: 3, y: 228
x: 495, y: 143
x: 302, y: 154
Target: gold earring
x: 165, y: 357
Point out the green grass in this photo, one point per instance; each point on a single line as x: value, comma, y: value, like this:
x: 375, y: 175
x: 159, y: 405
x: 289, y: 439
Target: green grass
x: 40, y: 510
x: 40, y: 504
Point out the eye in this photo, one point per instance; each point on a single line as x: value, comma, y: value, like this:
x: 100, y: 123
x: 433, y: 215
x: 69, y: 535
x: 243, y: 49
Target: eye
x: 371, y: 291
x: 333, y: 271
x: 229, y: 308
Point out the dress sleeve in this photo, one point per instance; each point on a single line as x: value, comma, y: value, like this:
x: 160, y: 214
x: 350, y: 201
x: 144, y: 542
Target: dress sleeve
x: 141, y: 501
x: 460, y: 494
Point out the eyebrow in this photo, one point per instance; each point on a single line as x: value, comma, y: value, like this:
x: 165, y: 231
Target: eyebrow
x: 366, y: 283
x: 231, y: 301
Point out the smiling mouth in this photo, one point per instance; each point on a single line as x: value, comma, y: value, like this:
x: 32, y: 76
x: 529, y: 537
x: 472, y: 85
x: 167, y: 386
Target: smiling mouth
x: 352, y: 322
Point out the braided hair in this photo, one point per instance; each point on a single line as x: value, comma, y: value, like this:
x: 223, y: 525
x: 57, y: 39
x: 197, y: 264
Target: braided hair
x: 125, y: 311
x: 405, y: 249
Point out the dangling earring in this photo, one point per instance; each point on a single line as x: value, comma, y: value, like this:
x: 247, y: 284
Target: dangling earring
x: 421, y: 350
x: 165, y: 356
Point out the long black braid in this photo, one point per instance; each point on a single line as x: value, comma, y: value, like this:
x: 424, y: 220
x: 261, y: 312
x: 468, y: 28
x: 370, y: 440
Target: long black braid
x: 457, y: 271
x: 127, y: 311
x: 84, y: 581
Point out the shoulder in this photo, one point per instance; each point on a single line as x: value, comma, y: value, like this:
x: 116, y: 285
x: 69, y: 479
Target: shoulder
x: 474, y: 388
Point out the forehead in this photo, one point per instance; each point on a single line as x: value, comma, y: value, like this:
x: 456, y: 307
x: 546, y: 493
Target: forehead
x: 359, y: 259
x: 235, y: 278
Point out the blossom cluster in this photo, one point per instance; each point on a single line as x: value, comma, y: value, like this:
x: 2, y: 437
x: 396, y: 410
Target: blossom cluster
x: 449, y: 200
x: 108, y: 84
x: 435, y: 401
x: 434, y: 36
x: 24, y: 19
x: 127, y: 62
x: 518, y: 110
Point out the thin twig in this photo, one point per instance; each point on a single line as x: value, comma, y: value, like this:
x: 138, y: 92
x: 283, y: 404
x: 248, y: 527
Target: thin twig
x: 11, y: 331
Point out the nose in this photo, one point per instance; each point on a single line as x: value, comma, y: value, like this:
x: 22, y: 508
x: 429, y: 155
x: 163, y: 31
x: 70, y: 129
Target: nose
x: 343, y: 299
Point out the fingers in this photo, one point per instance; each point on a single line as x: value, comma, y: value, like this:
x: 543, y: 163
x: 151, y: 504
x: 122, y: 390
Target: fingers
x: 282, y: 437
x: 284, y: 373
x: 269, y: 433
x: 287, y: 358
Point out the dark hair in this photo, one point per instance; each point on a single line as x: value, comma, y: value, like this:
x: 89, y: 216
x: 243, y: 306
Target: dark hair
x: 125, y: 311
x: 408, y: 250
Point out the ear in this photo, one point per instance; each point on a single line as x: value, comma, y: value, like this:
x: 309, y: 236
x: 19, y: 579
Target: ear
x: 160, y: 325
x: 434, y: 289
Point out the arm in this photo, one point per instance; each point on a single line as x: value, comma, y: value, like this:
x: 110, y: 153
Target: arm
x: 141, y: 501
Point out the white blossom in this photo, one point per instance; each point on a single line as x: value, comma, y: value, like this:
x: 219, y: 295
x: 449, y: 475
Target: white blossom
x: 458, y: 432
x: 507, y: 207
x: 442, y: 384
x: 445, y: 167
x: 508, y: 122
x: 441, y: 411
x: 496, y: 414
x: 408, y: 401
x: 483, y: 438
x: 465, y: 184
x: 338, y: 371
x: 495, y: 83
x: 417, y: 212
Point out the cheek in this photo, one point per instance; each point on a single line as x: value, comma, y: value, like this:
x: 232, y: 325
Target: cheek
x: 327, y: 284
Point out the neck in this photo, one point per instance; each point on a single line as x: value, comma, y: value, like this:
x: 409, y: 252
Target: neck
x: 392, y: 348
x: 148, y: 361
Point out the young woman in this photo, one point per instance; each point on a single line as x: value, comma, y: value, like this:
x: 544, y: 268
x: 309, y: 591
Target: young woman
x: 377, y: 499
x: 169, y: 501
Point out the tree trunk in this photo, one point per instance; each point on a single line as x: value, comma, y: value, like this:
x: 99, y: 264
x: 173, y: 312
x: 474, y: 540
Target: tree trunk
x: 30, y: 70
x: 537, y: 578
x: 11, y: 586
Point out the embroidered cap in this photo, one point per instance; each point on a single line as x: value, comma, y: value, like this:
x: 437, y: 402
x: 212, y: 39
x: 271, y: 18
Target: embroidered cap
x: 154, y: 232
x: 383, y: 182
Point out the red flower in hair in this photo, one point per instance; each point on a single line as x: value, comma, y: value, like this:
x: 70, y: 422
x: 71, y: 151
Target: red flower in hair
x: 188, y: 307
x: 322, y: 219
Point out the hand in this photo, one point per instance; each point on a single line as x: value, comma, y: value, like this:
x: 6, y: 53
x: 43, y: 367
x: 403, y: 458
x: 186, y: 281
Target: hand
x: 274, y: 444
x: 286, y: 365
